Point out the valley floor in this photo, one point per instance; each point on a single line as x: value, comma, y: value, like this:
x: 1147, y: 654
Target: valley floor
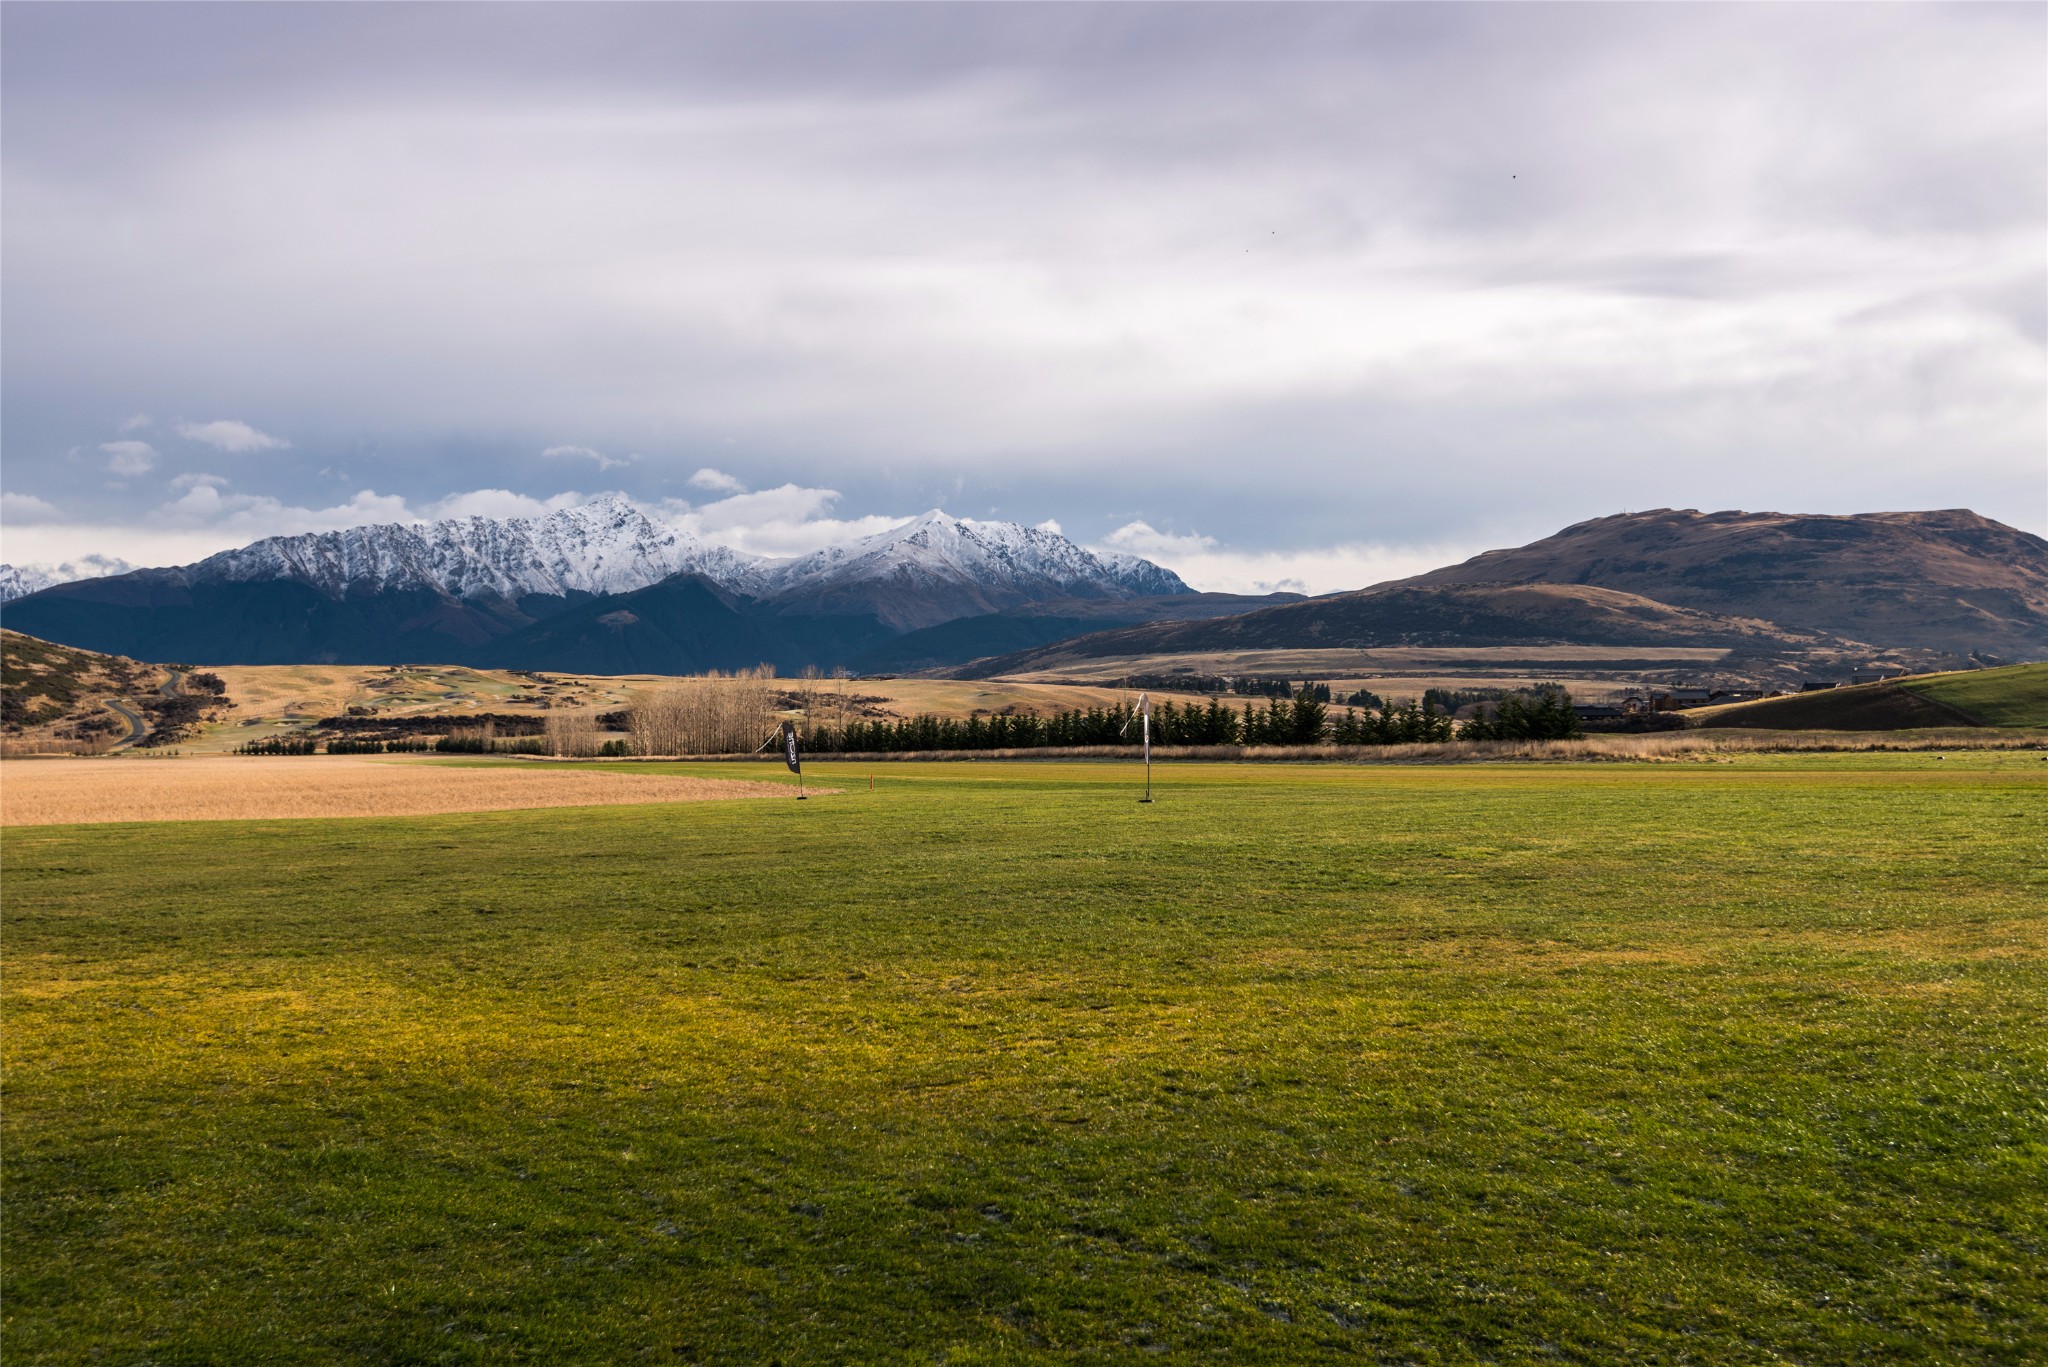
x: 1735, y: 1062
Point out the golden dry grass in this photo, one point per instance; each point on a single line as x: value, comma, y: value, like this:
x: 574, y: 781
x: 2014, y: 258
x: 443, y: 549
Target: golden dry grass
x: 66, y: 792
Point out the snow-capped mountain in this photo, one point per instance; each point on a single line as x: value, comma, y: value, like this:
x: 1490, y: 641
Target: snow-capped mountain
x: 938, y: 567
x: 933, y: 568
x: 610, y: 546
x: 19, y: 583
x: 608, y: 581
x: 1141, y: 576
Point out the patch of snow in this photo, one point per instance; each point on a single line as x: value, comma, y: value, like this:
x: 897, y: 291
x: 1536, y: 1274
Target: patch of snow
x: 19, y: 581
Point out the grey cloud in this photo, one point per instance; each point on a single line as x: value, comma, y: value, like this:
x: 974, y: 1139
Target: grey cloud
x: 1277, y: 275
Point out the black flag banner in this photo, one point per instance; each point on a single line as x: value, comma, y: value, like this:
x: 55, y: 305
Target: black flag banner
x: 792, y: 758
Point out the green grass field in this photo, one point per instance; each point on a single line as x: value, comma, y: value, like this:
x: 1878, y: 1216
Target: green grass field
x: 2016, y: 695
x: 2009, y: 696
x: 1725, y: 1062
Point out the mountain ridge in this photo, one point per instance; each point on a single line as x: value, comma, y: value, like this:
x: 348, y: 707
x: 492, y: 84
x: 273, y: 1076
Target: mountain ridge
x: 1947, y: 580
x: 931, y: 591
x: 1430, y: 615
x: 417, y: 592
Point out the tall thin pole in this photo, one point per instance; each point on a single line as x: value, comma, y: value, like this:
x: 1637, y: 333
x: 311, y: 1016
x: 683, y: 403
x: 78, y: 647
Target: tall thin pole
x: 1148, y: 754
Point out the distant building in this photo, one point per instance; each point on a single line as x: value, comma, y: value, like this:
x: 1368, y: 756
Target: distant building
x: 1815, y: 686
x: 1686, y: 697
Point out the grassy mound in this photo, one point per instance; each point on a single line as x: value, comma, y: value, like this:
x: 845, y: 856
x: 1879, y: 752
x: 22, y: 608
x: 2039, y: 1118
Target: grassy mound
x: 2014, y: 695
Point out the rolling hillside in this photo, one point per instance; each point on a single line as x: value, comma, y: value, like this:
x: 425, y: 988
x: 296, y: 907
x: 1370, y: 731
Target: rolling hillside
x: 2015, y: 695
x: 1947, y: 581
x: 1481, y: 616
x: 68, y: 698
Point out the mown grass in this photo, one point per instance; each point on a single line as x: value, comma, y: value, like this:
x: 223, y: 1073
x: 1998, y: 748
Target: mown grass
x: 1742, y: 1061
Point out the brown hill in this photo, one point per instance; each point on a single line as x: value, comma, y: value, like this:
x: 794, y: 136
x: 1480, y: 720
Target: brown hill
x: 1948, y: 581
x: 71, y: 699
x: 1486, y: 615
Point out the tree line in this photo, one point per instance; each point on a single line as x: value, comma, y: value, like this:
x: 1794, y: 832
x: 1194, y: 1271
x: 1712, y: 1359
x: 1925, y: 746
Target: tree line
x: 736, y: 714
x: 1305, y: 719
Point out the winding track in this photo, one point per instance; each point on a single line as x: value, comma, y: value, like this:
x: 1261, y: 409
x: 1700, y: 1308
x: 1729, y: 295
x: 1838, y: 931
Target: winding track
x: 138, y: 729
x: 138, y: 726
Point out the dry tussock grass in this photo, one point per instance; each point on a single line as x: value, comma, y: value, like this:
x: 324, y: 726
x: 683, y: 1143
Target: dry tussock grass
x: 61, y: 792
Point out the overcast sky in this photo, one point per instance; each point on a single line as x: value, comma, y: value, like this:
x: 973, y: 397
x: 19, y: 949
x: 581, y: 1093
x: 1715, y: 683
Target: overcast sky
x: 1275, y: 294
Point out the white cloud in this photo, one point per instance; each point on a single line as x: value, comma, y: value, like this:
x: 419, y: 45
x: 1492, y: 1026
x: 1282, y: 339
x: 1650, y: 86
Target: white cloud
x: 497, y: 503
x: 1142, y: 538
x: 231, y: 435
x: 208, y: 516
x: 25, y: 508
x: 135, y: 423
x: 205, y: 502
x: 1210, y: 567
x: 1050, y: 525
x: 129, y: 457
x: 156, y: 544
x: 84, y: 567
x: 717, y: 481
x: 604, y: 462
x: 787, y: 520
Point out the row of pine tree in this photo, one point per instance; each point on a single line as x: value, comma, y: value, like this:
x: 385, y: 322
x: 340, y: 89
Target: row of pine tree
x: 1305, y: 719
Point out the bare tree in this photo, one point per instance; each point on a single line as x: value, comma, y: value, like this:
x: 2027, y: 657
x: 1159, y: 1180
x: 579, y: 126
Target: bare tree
x: 572, y: 735
x: 711, y: 714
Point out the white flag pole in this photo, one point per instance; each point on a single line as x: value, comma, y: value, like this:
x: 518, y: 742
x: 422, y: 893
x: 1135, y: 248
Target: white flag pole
x: 1145, y: 713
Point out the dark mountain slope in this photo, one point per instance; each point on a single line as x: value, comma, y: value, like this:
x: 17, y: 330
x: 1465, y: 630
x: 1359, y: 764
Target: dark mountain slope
x: 1949, y: 581
x: 683, y: 625
x: 1430, y: 615
x: 164, y: 615
x: 1037, y: 624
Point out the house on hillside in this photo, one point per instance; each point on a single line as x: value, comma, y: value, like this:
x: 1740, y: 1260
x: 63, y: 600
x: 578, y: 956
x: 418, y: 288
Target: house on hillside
x: 1670, y: 698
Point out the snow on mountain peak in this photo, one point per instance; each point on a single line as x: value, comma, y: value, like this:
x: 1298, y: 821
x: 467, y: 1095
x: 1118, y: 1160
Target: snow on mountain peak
x: 936, y: 567
x: 610, y: 545
x: 929, y: 569
x: 19, y: 581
